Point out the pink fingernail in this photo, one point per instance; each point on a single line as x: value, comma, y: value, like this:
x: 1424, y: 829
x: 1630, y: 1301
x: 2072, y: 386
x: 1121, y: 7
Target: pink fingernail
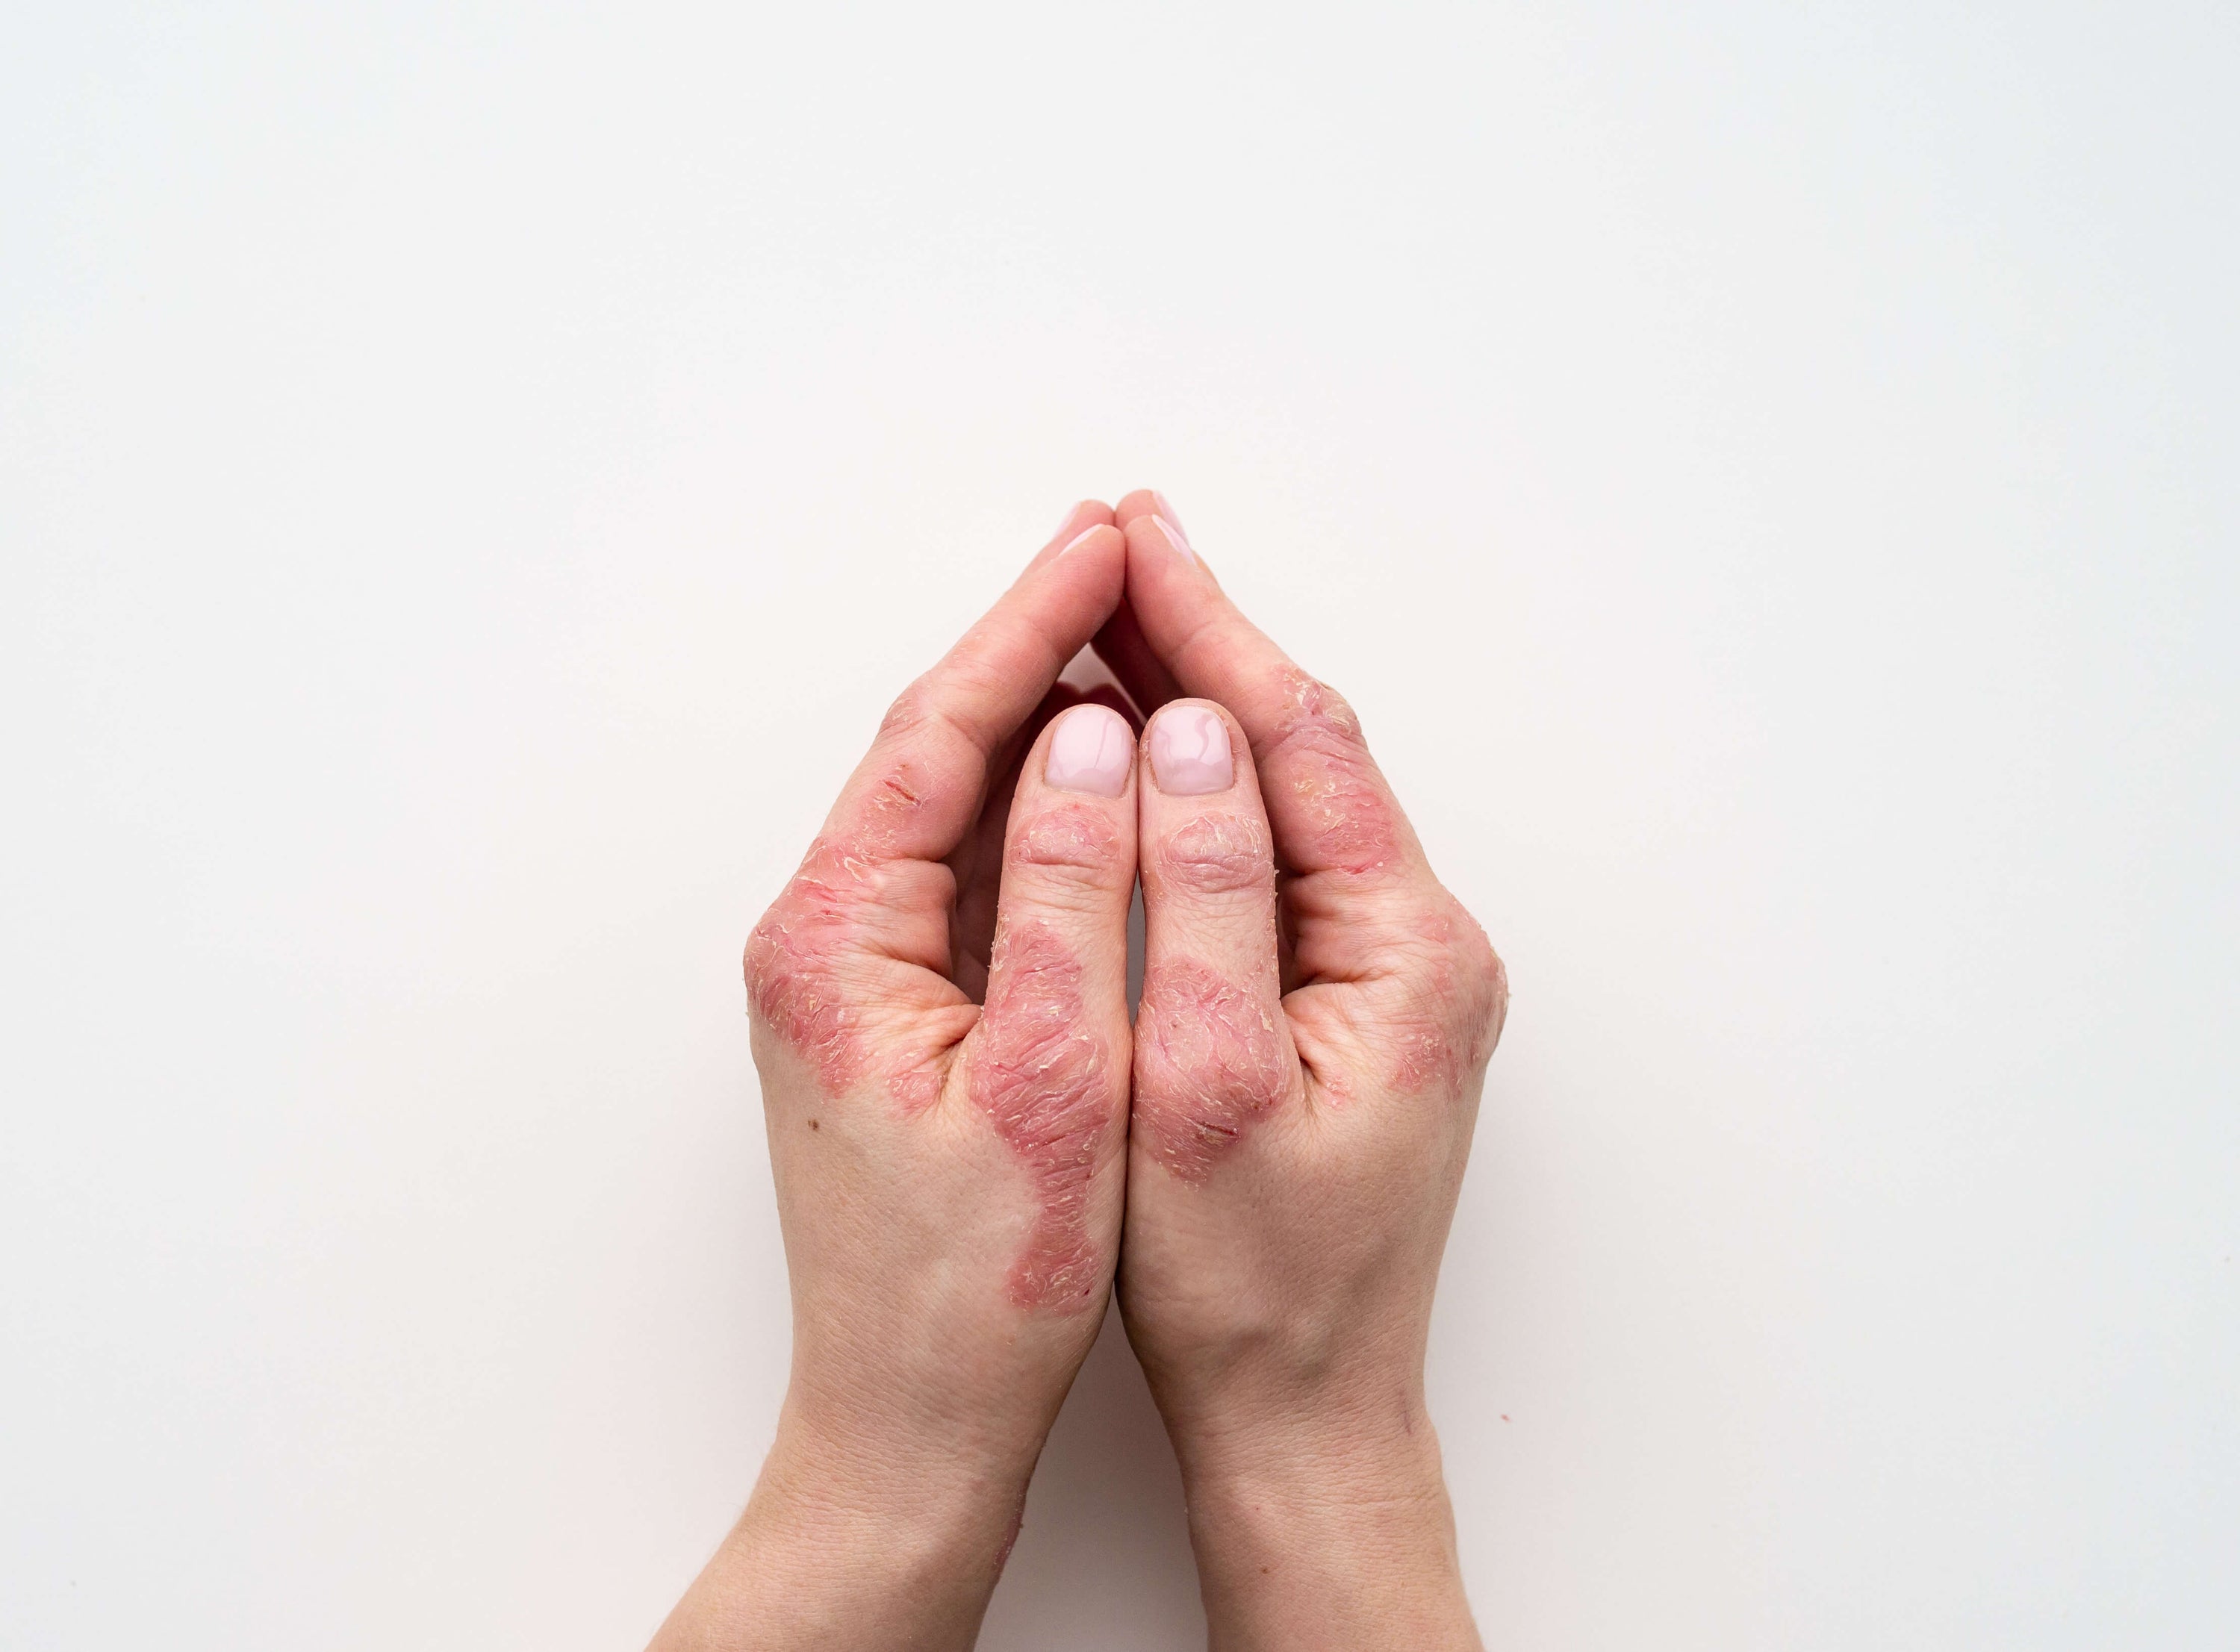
x: 1175, y: 538
x: 1190, y: 752
x: 1091, y: 751
x: 1090, y: 532
x: 1167, y: 515
x: 1066, y: 520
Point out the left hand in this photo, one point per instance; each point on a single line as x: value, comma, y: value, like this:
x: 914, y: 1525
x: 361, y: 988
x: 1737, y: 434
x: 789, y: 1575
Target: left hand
x: 940, y: 1019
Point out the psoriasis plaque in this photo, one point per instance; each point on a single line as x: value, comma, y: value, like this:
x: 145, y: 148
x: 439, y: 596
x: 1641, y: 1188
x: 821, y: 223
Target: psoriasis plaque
x: 1212, y: 1059
x: 1042, y: 1078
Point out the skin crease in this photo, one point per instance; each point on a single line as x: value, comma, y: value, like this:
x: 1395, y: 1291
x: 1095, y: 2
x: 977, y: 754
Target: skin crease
x: 1346, y: 815
x: 959, y: 1112
x: 947, y: 1115
x: 797, y: 979
x: 1286, y: 1216
x: 1041, y: 1078
x: 1210, y: 1060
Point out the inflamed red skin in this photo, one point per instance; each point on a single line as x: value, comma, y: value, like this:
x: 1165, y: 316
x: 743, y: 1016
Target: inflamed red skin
x: 1037, y: 1070
x: 937, y: 1003
x: 1344, y: 819
x: 818, y: 979
x: 1318, y: 1015
x: 795, y: 957
x: 1042, y: 1076
x: 1212, y: 1059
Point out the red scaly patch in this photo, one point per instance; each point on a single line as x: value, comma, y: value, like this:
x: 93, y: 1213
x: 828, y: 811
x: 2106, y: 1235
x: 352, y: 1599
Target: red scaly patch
x: 1040, y: 1073
x: 1211, y: 1060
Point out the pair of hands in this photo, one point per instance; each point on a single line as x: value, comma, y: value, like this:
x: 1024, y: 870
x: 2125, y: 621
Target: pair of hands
x: 963, y: 1126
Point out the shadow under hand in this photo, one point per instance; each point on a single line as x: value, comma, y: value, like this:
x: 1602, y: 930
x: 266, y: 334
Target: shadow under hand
x: 1103, y: 1561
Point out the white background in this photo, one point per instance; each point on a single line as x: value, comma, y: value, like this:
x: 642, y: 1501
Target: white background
x: 471, y: 478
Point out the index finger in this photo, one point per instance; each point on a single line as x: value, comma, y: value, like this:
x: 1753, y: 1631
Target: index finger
x: 1328, y: 802
x: 920, y: 787
x: 863, y: 929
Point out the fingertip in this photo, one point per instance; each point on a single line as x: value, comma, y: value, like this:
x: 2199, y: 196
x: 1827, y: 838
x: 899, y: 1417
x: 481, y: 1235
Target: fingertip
x: 1069, y: 839
x: 1082, y: 513
x: 1112, y: 695
x: 1190, y: 750
x: 1120, y: 643
x: 1085, y: 543
x: 1092, y: 749
x: 1144, y: 501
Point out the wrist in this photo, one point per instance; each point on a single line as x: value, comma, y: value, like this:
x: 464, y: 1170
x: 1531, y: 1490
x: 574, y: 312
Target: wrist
x: 857, y: 1537
x: 1328, y: 1530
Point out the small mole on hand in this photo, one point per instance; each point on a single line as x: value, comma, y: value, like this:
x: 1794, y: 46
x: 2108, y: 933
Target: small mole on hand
x: 813, y: 1124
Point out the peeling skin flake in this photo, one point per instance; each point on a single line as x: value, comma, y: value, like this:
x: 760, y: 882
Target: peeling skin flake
x: 1306, y: 701
x: 792, y: 978
x: 796, y: 956
x: 1219, y: 853
x: 1344, y: 821
x: 1067, y: 836
x: 1347, y: 823
x: 1211, y: 1060
x: 1040, y: 1074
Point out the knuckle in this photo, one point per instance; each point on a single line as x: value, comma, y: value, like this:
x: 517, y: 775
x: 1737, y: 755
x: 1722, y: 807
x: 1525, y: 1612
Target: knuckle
x: 1210, y: 1054
x: 1220, y: 854
x: 1450, y: 1002
x: 757, y: 966
x: 1040, y: 1063
x: 911, y: 711
x: 1208, y: 1037
x: 1075, y: 844
x: 1315, y: 709
x: 822, y: 905
x: 1345, y: 817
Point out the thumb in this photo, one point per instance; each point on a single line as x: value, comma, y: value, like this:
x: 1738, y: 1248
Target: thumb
x: 1048, y: 1061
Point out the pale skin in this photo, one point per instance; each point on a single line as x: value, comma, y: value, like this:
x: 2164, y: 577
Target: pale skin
x: 963, y: 1123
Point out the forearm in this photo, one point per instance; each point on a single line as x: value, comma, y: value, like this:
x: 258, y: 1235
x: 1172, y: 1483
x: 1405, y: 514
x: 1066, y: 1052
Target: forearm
x: 852, y: 1543
x: 1326, y: 1540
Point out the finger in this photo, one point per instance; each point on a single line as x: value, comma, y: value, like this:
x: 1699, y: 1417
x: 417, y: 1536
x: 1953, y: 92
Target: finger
x: 921, y: 784
x: 1332, y: 812
x: 1079, y: 518
x: 1047, y: 1062
x: 1105, y: 693
x: 1147, y: 502
x: 859, y: 941
x: 978, y: 861
x: 1213, y: 1052
x: 1120, y: 645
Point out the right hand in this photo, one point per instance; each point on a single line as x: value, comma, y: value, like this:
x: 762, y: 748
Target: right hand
x: 1316, y: 1015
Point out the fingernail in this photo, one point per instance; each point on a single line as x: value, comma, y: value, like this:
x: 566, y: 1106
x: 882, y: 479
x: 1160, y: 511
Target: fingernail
x: 1175, y: 538
x: 1190, y: 752
x: 1086, y: 533
x: 1066, y: 520
x: 1167, y: 515
x: 1091, y: 751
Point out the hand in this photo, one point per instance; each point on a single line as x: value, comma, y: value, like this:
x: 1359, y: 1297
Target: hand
x: 941, y: 1026
x: 1316, y: 1016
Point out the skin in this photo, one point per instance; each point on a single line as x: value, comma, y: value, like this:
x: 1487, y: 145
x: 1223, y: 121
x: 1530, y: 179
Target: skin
x: 1316, y: 1017
x: 961, y: 1120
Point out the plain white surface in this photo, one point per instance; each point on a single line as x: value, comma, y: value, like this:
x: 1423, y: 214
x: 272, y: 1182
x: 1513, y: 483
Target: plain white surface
x: 470, y: 479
